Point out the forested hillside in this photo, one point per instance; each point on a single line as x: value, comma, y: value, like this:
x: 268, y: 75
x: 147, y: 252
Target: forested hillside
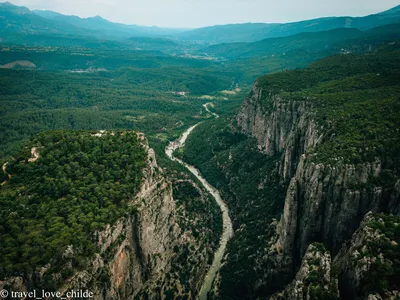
x: 72, y: 88
x: 354, y: 96
x: 19, y: 21
x: 69, y: 187
x: 333, y: 41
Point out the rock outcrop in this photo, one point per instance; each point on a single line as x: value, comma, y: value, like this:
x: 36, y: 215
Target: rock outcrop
x: 314, y: 279
x: 365, y: 264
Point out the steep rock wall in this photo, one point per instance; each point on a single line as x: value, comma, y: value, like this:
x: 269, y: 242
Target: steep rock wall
x: 365, y: 263
x: 325, y: 202
x: 281, y: 127
x: 322, y: 204
x: 136, y: 251
x: 314, y: 279
x: 139, y: 256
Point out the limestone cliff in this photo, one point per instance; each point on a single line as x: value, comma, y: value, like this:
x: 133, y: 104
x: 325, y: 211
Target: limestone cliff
x: 325, y: 201
x: 142, y: 253
x: 281, y: 127
x: 141, y: 245
x: 314, y: 279
x: 145, y: 254
x: 366, y: 263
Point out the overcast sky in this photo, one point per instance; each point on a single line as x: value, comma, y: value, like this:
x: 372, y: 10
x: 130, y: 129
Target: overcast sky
x: 199, y: 13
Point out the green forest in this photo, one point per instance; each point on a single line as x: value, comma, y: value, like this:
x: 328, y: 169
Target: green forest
x: 79, y: 183
x: 33, y: 101
x: 354, y: 96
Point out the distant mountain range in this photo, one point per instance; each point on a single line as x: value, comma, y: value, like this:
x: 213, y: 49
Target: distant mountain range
x: 20, y: 20
x: 252, y: 32
x: 310, y: 42
x: 19, y: 25
x: 107, y: 28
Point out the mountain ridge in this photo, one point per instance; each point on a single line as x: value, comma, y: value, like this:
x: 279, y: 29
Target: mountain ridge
x: 20, y: 21
x: 43, y: 20
x: 99, y: 23
x: 245, y: 32
x: 306, y: 41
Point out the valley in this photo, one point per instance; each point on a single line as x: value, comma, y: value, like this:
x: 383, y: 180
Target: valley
x: 226, y: 221
x: 238, y: 161
x: 285, y: 184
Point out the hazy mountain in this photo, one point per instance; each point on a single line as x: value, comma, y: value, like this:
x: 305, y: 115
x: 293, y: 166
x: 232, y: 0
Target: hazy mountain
x: 106, y: 27
x: 311, y: 42
x: 19, y: 25
x: 16, y: 19
x: 251, y: 32
x: 21, y: 20
x: 394, y: 10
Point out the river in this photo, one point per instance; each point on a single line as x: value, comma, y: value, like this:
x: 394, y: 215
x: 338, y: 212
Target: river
x: 227, y: 223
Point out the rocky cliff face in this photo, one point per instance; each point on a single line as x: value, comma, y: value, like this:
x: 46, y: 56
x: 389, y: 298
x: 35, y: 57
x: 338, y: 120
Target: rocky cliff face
x: 281, y: 127
x: 325, y: 202
x: 366, y: 263
x: 142, y: 253
x: 143, y: 243
x: 139, y: 256
x: 314, y: 279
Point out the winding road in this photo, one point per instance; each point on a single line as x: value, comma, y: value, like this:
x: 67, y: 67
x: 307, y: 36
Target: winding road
x: 227, y: 223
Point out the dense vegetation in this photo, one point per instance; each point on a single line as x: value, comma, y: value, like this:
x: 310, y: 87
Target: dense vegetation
x: 199, y: 217
x: 356, y: 100
x: 329, y: 42
x: 70, y: 57
x: 88, y: 74
x: 383, y: 275
x: 140, y: 98
x: 252, y: 32
x: 108, y: 88
x: 128, y: 99
x: 79, y: 183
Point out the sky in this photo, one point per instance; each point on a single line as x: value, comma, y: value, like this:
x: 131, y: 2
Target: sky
x: 201, y: 13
